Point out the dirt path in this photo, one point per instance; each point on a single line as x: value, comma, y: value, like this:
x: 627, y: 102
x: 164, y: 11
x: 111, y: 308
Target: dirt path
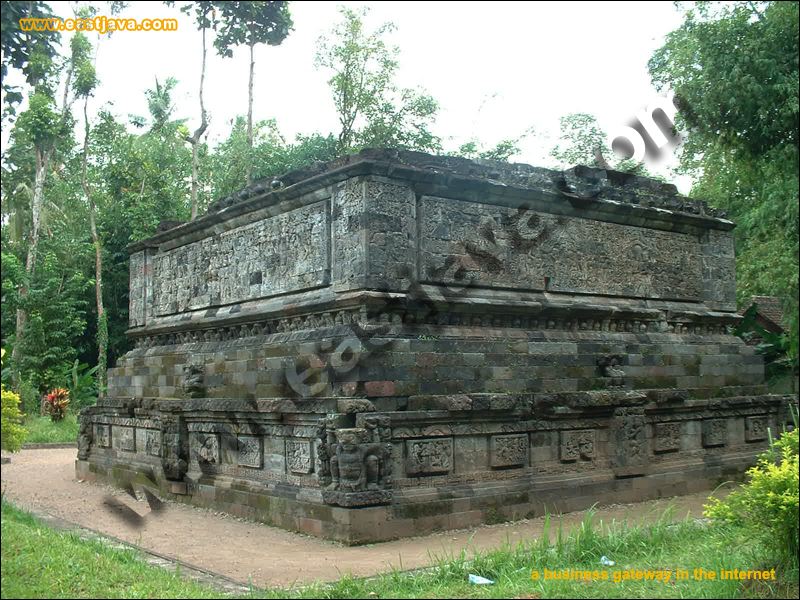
x: 44, y: 481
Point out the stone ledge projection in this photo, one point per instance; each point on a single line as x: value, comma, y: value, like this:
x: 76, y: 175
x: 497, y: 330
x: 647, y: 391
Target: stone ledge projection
x: 394, y: 343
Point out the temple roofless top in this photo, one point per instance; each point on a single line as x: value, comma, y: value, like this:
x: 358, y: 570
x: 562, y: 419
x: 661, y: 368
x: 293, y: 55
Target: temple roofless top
x: 453, y: 222
x: 590, y: 182
x: 393, y: 343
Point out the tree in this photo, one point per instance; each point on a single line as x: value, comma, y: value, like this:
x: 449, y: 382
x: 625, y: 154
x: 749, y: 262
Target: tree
x: 371, y: 110
x: 580, y: 140
x: 583, y: 142
x: 251, y: 23
x: 205, y: 17
x: 27, y: 51
x: 84, y: 84
x: 502, y: 151
x: 44, y: 127
x: 272, y: 154
x: 734, y: 69
x: 138, y: 180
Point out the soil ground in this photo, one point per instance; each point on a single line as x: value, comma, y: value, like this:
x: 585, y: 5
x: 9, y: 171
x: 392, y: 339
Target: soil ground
x: 43, y: 481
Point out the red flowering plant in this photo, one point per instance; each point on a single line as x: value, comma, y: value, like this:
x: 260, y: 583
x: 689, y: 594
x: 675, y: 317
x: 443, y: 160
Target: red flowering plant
x: 55, y: 404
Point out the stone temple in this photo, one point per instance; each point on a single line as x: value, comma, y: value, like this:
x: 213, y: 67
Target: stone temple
x: 394, y: 343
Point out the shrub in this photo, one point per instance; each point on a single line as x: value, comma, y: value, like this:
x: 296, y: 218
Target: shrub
x: 767, y: 505
x: 81, y: 383
x: 55, y: 404
x: 30, y: 397
x: 12, y: 434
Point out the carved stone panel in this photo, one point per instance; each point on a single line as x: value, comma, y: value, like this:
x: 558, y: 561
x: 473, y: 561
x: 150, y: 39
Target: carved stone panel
x: 284, y: 253
x: 667, y: 437
x: 498, y: 246
x: 577, y: 445
x: 298, y: 456
x: 136, y: 295
x: 175, y: 447
x: 125, y: 438
x: 249, y: 451
x: 205, y: 448
x: 719, y: 272
x: 715, y: 432
x: 85, y: 434
x: 102, y: 436
x: 429, y: 457
x: 349, y: 260
x: 354, y: 464
x: 755, y: 429
x: 509, y: 450
x: 152, y: 442
x: 392, y: 232
x: 629, y: 432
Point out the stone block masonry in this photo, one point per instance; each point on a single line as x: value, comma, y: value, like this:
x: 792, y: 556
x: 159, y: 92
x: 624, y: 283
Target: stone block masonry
x: 395, y: 343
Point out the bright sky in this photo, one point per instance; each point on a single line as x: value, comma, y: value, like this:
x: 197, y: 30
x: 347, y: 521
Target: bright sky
x: 496, y: 68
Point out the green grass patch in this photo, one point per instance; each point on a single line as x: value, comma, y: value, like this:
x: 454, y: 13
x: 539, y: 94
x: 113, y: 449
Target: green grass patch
x: 40, y: 562
x: 661, y: 547
x: 43, y: 430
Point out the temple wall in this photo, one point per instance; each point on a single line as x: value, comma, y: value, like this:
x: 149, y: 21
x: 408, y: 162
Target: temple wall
x: 398, y: 343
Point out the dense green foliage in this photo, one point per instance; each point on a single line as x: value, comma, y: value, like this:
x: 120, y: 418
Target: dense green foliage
x: 372, y: 110
x: 734, y: 68
x: 26, y: 51
x: 768, y: 504
x: 12, y: 433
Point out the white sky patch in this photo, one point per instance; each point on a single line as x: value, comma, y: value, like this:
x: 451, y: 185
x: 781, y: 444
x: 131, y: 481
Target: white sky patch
x: 496, y: 69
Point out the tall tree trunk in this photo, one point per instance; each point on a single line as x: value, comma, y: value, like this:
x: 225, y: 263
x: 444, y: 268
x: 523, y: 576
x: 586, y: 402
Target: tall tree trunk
x: 43, y: 155
x: 42, y: 163
x: 194, y: 140
x: 102, y: 321
x: 250, y: 118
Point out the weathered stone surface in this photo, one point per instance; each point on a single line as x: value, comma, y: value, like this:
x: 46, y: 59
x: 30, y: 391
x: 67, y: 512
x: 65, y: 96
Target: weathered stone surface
x: 667, y: 437
x: 288, y: 252
x: 715, y: 432
x: 102, y: 436
x: 630, y: 438
x: 577, y: 445
x: 298, y: 456
x: 124, y: 438
x: 428, y: 457
x: 755, y: 429
x: 136, y: 297
x: 250, y: 453
x: 394, y: 342
x: 509, y: 450
x: 153, y: 442
x: 556, y: 253
x: 205, y: 448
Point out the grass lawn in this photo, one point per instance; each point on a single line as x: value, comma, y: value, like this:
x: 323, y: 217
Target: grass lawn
x: 40, y: 562
x: 42, y: 430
